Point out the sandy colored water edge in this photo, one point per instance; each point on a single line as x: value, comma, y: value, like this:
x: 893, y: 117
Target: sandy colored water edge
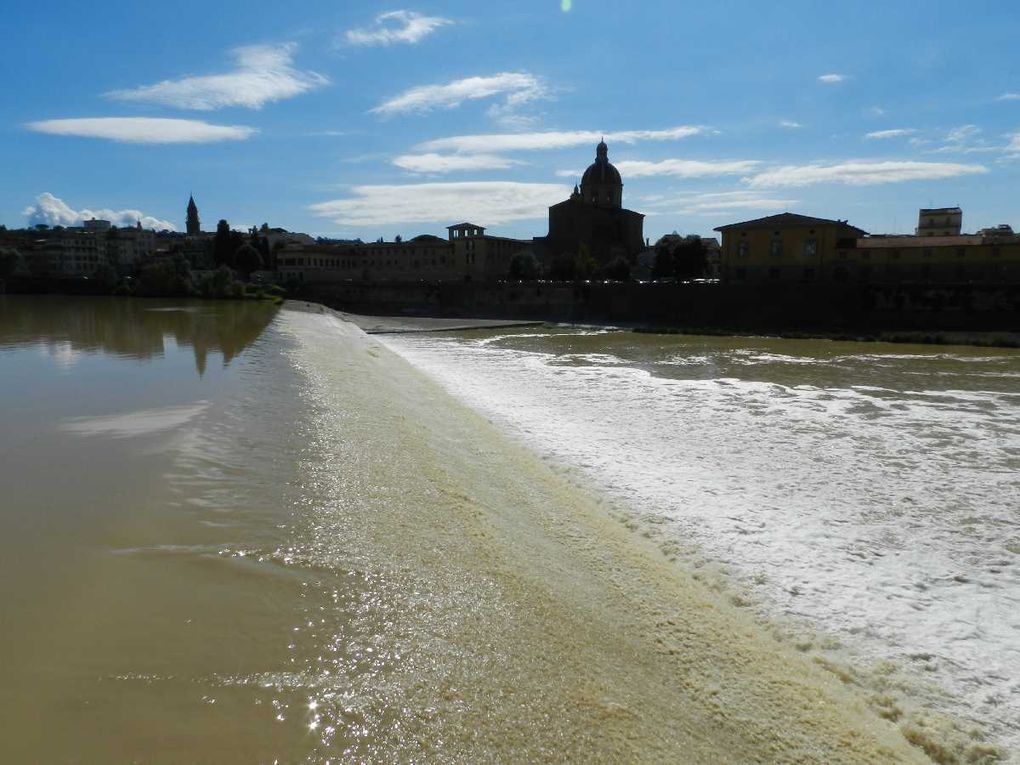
x: 539, y: 628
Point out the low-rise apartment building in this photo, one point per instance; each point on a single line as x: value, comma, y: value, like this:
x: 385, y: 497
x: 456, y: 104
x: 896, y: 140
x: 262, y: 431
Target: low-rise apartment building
x: 466, y: 254
x: 798, y: 248
x: 784, y: 247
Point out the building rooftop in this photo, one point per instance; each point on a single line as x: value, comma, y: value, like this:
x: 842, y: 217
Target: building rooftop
x: 788, y: 220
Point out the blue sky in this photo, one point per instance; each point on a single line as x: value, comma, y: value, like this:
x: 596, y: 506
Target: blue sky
x: 368, y: 119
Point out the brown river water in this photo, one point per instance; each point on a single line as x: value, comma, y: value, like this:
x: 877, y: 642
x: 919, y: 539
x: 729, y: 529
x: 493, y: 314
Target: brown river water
x: 232, y: 533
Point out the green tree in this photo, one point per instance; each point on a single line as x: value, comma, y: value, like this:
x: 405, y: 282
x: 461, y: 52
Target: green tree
x: 618, y: 270
x: 247, y: 259
x: 584, y: 264
x: 524, y: 267
x: 170, y: 277
x: 10, y: 259
x: 105, y: 277
x: 665, y: 266
x: 226, y: 243
x: 690, y: 258
x: 562, y: 268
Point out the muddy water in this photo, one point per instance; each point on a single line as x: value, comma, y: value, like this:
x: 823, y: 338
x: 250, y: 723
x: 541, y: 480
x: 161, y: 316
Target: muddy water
x: 230, y: 534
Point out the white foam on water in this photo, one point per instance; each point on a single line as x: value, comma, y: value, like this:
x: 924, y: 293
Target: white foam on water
x: 140, y: 423
x: 886, y: 515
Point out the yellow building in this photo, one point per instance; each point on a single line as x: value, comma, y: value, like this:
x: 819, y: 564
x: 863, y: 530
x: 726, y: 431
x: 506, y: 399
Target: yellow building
x: 797, y: 248
x: 965, y: 259
x: 785, y: 247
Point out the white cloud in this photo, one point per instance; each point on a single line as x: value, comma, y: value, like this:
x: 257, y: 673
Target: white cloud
x: 694, y: 204
x: 875, y: 111
x: 966, y: 139
x: 143, y: 129
x: 264, y: 74
x: 790, y: 124
x: 860, y: 173
x: 1013, y: 147
x: 962, y: 134
x: 483, y: 202
x: 446, y: 163
x: 554, y: 139
x: 517, y: 88
x: 832, y: 79
x: 396, y: 27
x: 1009, y: 97
x: 53, y: 211
x: 684, y: 168
x: 893, y: 133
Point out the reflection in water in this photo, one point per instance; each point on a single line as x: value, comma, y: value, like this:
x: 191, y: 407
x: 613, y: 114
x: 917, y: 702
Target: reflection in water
x: 130, y: 327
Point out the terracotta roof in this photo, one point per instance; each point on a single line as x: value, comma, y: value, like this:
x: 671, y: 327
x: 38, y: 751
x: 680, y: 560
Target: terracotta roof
x: 788, y: 220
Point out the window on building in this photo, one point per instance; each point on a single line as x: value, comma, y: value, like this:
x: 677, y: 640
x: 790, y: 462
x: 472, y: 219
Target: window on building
x: 809, y: 274
x: 926, y: 252
x: 773, y: 273
x: 741, y: 273
x: 743, y: 250
x: 810, y: 248
x: 776, y: 248
x: 960, y: 252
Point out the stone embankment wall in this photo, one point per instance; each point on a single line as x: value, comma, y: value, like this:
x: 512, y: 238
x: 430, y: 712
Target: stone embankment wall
x: 754, y: 308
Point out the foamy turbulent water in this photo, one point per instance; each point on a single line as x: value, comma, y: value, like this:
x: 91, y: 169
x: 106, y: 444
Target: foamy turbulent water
x: 869, y: 493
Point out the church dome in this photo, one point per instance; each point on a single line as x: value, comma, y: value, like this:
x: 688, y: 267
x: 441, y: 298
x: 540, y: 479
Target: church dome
x: 601, y: 171
x: 601, y: 183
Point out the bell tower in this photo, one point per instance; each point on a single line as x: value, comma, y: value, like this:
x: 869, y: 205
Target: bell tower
x: 194, y: 226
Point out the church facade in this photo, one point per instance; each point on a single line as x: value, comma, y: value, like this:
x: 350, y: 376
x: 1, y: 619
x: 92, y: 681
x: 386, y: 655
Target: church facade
x: 593, y: 220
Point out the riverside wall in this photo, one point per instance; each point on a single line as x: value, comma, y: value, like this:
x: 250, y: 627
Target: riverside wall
x: 710, y: 307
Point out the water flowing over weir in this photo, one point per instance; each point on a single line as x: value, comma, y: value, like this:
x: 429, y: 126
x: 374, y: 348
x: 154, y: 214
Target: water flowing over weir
x: 865, y: 492
x: 473, y: 605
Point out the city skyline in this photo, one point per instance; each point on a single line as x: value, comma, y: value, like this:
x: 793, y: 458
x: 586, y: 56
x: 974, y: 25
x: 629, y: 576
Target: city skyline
x: 372, y: 120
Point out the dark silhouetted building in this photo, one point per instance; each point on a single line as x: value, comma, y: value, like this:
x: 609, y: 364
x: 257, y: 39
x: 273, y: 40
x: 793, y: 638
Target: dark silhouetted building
x: 593, y: 220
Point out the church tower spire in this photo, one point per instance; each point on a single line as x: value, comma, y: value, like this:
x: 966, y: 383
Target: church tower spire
x: 194, y: 226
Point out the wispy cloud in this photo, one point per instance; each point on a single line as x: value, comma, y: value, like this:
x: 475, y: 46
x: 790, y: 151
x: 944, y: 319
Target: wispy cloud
x: 516, y: 88
x: 878, y: 135
x: 143, y: 129
x: 697, y: 204
x: 54, y: 211
x: 963, y: 133
x: 395, y: 27
x: 832, y: 78
x: 1009, y: 97
x: 446, y: 163
x: 554, y: 139
x: 860, y: 173
x: 264, y: 73
x: 684, y: 168
x: 484, y: 202
x: 965, y: 139
x: 790, y: 124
